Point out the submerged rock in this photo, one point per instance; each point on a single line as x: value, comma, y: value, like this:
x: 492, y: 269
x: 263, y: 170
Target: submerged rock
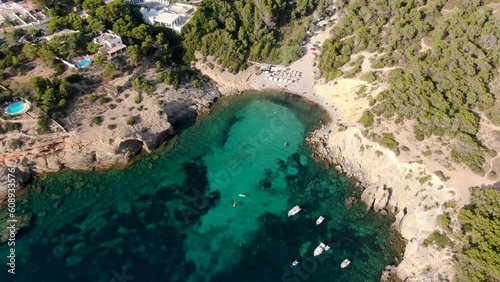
x: 351, y: 201
x: 73, y: 260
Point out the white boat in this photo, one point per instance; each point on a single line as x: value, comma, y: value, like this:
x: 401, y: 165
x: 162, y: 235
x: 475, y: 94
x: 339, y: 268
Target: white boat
x: 242, y: 195
x: 345, y: 263
x: 327, y: 248
x: 286, y: 144
x: 294, y: 211
x: 319, y: 249
x: 319, y: 220
x: 294, y: 263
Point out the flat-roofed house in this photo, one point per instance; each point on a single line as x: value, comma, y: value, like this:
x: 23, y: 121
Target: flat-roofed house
x: 138, y: 2
x: 110, y: 44
x: 175, y: 16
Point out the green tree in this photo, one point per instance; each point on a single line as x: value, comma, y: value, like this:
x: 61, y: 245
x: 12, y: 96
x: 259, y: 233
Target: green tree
x: 92, y: 5
x: 93, y: 47
x: 109, y: 70
x: 367, y: 118
x: 479, y: 259
x: 57, y: 23
x: 99, y: 59
x: 134, y: 55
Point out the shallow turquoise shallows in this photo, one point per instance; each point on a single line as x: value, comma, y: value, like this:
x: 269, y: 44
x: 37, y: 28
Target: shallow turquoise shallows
x: 16, y: 108
x: 211, y: 207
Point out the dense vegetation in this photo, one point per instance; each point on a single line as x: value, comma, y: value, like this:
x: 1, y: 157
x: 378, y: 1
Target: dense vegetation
x: 441, y: 89
x: 266, y: 31
x: 479, y: 260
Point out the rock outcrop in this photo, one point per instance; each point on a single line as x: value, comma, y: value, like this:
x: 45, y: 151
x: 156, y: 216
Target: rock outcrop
x: 390, y: 185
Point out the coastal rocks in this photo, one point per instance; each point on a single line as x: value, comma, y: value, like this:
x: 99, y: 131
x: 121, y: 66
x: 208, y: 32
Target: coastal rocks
x: 20, y: 177
x: 389, y: 274
x: 23, y: 221
x: 376, y: 199
x: 386, y: 187
x: 350, y: 201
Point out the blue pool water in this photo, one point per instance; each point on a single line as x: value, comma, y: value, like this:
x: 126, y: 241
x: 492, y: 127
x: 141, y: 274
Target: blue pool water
x: 84, y: 63
x: 16, y: 108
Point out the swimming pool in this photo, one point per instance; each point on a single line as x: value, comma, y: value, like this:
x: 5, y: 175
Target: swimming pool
x: 16, y: 108
x: 84, y: 63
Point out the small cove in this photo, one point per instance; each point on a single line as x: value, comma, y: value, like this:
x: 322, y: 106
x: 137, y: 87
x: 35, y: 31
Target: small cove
x: 170, y: 216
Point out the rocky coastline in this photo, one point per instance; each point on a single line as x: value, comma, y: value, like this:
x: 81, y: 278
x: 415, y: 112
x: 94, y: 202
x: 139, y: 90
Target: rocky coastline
x: 390, y: 186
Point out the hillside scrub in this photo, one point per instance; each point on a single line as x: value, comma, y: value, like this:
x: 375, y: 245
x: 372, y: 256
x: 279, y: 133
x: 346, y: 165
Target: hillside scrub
x: 266, y: 31
x: 479, y: 257
x: 441, y: 89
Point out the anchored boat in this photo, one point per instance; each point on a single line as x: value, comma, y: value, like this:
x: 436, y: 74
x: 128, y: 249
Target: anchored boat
x: 345, y: 263
x: 319, y: 220
x: 319, y: 249
x: 294, y: 211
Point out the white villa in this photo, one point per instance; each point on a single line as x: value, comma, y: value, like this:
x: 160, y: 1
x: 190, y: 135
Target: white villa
x: 174, y: 16
x: 138, y: 2
x: 110, y: 44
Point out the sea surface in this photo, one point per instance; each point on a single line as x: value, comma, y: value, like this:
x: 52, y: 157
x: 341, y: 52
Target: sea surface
x: 177, y: 215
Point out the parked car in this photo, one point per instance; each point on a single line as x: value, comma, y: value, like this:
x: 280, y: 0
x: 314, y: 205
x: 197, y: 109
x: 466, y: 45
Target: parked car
x: 313, y: 49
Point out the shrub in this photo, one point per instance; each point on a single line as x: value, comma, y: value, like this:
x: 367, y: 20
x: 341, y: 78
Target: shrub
x: 492, y: 175
x: 424, y: 179
x: 111, y: 126
x: 441, y: 175
x: 436, y: 238
x: 15, y: 144
x: 91, y: 98
x: 112, y: 106
x: 131, y: 120
x: 138, y: 99
x: 367, y: 118
x: 96, y: 120
x: 104, y: 100
x: 43, y: 124
x: 445, y: 220
x: 369, y: 76
x: 404, y: 148
x: 73, y: 78
x: 450, y: 204
x: 371, y: 101
x: 389, y: 141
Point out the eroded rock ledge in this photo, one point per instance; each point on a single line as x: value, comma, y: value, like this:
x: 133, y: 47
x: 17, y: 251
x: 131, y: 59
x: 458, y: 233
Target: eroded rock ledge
x: 392, y: 186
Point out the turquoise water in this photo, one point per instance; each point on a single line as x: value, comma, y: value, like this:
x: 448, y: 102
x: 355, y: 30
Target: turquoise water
x: 15, y: 108
x: 84, y: 63
x: 170, y: 216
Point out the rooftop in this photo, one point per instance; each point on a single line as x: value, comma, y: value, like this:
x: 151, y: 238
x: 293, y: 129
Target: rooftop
x: 106, y: 36
x: 116, y: 48
x: 166, y: 17
x: 180, y: 9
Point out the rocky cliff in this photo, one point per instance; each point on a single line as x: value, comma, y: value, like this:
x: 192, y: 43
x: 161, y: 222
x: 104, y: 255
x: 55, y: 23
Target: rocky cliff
x: 410, y: 191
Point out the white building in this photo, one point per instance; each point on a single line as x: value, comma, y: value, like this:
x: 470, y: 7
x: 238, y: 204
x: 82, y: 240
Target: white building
x: 175, y: 16
x: 138, y: 2
x: 110, y: 44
